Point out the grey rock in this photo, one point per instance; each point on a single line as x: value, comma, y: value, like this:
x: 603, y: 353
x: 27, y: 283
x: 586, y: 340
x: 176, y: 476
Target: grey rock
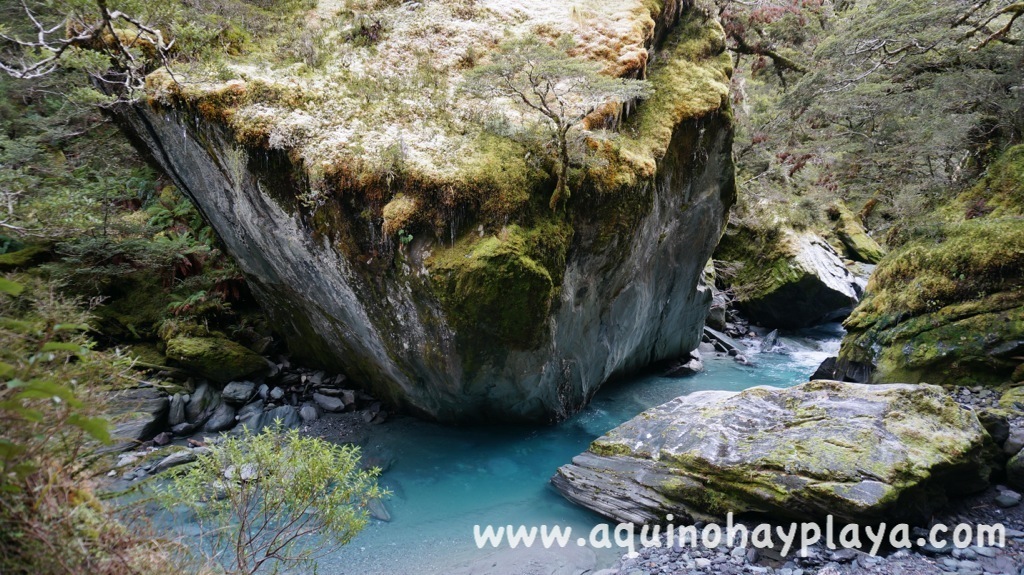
x: 176, y: 413
x: 276, y: 393
x: 614, y: 316
x: 378, y: 510
x: 162, y: 438
x: 894, y: 463
x: 328, y: 403
x: 308, y: 413
x: 264, y: 391
x: 183, y: 429
x: 204, y: 398
x: 138, y: 415
x: 1007, y: 501
x: 223, y: 418
x: 996, y: 425
x: 238, y: 392
x: 1014, y: 441
x: 177, y: 458
x: 288, y: 416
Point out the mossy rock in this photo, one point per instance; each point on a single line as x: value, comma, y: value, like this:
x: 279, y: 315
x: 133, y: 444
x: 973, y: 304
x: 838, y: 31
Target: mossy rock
x: 857, y: 244
x: 216, y: 358
x: 942, y: 308
x: 862, y: 453
x: 26, y: 257
x: 497, y: 287
x: 135, y: 308
x: 771, y: 269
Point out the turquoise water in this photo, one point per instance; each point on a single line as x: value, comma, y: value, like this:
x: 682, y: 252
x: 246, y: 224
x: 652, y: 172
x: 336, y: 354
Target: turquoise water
x: 445, y: 480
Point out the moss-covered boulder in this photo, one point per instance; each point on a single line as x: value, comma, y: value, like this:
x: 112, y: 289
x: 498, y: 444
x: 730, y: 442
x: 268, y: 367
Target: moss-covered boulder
x: 857, y: 244
x: 862, y: 453
x: 216, y: 358
x: 948, y: 305
x: 786, y: 279
x: 406, y: 238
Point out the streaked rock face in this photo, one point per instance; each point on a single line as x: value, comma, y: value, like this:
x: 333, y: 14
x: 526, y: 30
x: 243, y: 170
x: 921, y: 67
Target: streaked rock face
x: 859, y: 452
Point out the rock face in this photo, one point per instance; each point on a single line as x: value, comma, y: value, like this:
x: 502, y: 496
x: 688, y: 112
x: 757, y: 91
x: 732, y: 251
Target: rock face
x: 786, y: 279
x: 947, y: 307
x: 860, y: 452
x: 519, y: 317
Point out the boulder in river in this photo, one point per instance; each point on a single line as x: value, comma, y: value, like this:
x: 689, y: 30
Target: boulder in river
x: 859, y: 452
x: 787, y: 279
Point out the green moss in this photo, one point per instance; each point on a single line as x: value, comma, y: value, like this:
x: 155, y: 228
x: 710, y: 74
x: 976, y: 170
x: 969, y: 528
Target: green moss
x: 690, y: 81
x: 999, y: 193
x: 136, y: 306
x: 25, y: 257
x: 491, y: 287
x: 610, y: 449
x: 216, y: 358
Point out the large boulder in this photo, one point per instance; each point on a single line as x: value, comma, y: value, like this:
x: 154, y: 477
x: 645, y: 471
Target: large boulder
x: 219, y: 359
x: 787, y: 279
x: 859, y: 452
x: 418, y: 253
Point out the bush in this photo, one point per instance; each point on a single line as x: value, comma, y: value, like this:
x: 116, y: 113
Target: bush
x: 51, y: 520
x: 273, y: 500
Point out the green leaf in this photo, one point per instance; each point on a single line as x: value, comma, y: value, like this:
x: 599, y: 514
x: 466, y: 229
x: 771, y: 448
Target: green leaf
x: 61, y: 346
x: 97, y: 427
x: 71, y: 327
x: 10, y: 288
x: 42, y: 389
x: 6, y: 370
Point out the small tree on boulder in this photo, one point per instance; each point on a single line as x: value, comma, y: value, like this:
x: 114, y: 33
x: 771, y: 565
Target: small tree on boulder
x: 538, y: 77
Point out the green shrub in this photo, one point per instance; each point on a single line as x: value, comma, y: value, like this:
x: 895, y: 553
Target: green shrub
x: 274, y: 500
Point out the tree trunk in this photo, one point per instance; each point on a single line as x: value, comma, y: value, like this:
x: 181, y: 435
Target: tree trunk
x: 562, y: 187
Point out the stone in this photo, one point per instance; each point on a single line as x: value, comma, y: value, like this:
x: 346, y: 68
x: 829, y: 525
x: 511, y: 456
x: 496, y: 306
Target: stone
x: 276, y: 393
x: 263, y: 391
x: 857, y: 244
x: 162, y: 438
x: 378, y: 510
x: 685, y: 367
x: 183, y: 429
x: 730, y: 345
x: 1014, y: 441
x: 176, y: 412
x: 216, y: 358
x: 177, y: 458
x: 328, y: 403
x: 858, y: 452
x: 308, y: 413
x: 138, y: 414
x: 288, y: 416
x: 238, y: 392
x: 996, y: 424
x: 779, y: 269
x: 223, y: 418
x: 204, y: 399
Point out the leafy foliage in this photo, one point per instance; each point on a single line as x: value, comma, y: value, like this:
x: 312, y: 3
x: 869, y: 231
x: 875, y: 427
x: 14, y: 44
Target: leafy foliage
x: 50, y: 426
x: 274, y: 500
